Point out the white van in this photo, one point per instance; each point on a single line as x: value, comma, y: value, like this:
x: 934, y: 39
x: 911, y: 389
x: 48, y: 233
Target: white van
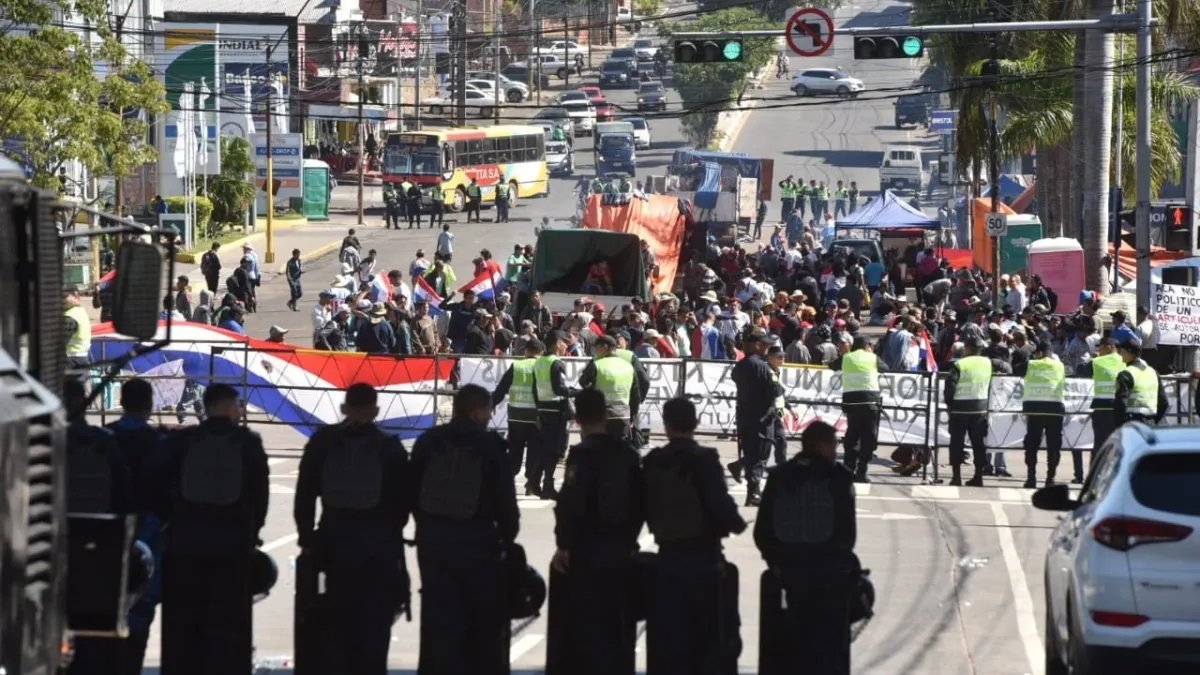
x: 901, y: 169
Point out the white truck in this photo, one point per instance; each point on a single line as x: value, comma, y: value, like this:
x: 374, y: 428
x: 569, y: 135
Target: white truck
x: 901, y: 169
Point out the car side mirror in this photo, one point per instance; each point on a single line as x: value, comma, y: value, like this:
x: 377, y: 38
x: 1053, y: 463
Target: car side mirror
x: 1054, y: 498
x: 138, y: 292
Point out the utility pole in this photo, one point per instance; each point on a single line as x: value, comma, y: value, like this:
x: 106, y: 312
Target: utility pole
x: 496, y: 33
x: 567, y: 49
x: 269, y: 184
x: 460, y: 63
x: 417, y: 70
x: 1142, y: 213
x: 399, y: 74
x: 991, y: 79
x: 1116, y: 194
x: 362, y: 92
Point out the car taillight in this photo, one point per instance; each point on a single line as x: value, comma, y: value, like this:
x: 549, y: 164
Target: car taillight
x: 1119, y: 619
x: 1123, y: 533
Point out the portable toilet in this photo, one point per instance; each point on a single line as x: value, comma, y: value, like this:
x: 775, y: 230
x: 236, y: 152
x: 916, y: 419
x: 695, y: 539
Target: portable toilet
x: 1023, y: 230
x: 315, y: 189
x: 1059, y: 262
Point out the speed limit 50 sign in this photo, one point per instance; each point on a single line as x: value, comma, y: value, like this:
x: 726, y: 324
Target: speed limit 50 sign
x: 995, y: 224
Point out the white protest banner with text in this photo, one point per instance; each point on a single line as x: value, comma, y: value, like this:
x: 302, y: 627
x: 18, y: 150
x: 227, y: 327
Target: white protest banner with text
x: 1177, y: 311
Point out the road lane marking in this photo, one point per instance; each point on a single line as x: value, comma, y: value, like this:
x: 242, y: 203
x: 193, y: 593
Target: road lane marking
x: 521, y: 646
x: 934, y: 492
x: 1022, y: 599
x: 279, y: 543
x: 281, y: 490
x: 534, y: 504
x: 1013, y: 495
x: 273, y: 461
x: 862, y: 489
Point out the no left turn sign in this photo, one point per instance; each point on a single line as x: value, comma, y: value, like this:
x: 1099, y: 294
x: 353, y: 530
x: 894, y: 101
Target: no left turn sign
x: 809, y: 32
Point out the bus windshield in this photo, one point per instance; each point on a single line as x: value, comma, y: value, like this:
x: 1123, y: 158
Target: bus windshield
x: 412, y: 154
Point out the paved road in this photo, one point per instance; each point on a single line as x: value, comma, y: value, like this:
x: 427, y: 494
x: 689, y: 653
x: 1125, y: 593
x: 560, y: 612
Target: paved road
x: 957, y: 572
x: 829, y: 139
x: 397, y: 248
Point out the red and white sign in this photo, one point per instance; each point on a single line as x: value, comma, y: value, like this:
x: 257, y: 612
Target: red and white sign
x: 809, y: 32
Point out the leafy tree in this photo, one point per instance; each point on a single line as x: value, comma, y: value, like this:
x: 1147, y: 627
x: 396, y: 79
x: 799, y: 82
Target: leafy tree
x: 66, y: 97
x: 230, y: 191
x: 707, y: 89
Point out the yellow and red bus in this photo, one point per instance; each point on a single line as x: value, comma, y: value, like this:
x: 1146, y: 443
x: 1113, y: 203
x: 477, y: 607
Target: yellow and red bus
x: 512, y: 154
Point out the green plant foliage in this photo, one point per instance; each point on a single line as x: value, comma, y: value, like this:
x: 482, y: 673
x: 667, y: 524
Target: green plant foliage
x: 204, y: 210
x: 66, y: 97
x: 231, y: 191
x: 709, y: 88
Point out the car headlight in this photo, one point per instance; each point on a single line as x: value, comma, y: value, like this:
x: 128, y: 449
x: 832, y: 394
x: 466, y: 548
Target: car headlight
x: 641, y: 100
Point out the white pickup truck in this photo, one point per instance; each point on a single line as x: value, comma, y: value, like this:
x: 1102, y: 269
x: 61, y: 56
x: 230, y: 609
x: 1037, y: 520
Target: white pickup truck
x: 901, y: 169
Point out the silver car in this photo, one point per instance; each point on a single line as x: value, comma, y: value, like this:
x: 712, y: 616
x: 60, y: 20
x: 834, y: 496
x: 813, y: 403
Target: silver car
x: 818, y: 81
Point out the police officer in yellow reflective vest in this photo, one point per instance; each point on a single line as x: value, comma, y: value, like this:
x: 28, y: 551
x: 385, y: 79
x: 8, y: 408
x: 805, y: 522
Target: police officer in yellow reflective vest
x: 840, y: 195
x: 550, y: 388
x: 966, y: 397
x: 502, y: 197
x: 860, y: 404
x: 1042, y: 402
x: 78, y: 330
x: 803, y: 192
x: 437, y: 205
x: 402, y: 202
x: 787, y: 198
x: 614, y: 377
x: 1140, y: 396
x: 517, y: 385
x: 641, y: 383
x: 474, y: 195
x: 1103, y: 370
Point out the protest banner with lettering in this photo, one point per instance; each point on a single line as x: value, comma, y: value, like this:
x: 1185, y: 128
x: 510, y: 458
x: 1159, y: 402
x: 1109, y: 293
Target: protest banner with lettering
x: 814, y: 393
x: 1177, y: 311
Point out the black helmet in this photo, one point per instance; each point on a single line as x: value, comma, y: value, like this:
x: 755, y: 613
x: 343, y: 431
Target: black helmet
x: 526, y: 587
x: 263, y: 575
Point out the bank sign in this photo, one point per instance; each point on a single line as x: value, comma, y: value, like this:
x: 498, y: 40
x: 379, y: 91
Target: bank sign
x: 943, y: 121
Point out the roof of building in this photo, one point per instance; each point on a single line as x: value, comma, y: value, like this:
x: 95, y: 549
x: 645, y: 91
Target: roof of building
x: 305, y: 11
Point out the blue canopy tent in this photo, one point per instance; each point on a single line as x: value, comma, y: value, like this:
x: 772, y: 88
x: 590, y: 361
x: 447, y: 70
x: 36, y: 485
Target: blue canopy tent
x: 887, y: 212
x: 709, y: 186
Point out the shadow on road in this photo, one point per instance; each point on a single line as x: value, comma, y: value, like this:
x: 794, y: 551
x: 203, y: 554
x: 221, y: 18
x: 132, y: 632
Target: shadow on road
x: 842, y: 158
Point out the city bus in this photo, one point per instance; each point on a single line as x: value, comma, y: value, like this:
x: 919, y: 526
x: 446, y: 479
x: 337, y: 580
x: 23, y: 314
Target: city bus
x: 514, y: 154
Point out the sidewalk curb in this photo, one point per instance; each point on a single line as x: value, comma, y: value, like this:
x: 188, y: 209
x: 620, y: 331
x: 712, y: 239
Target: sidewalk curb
x: 309, y: 256
x: 193, y: 258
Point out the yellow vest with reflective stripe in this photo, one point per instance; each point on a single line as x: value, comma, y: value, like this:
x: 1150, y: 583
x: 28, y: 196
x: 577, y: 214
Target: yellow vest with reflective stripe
x: 625, y: 355
x: 1104, y: 378
x: 79, y: 343
x: 1044, y: 384
x: 787, y: 191
x: 473, y: 190
x: 501, y: 190
x: 542, y: 369
x: 1143, y: 400
x: 520, y: 394
x: 841, y: 193
x: 614, y: 379
x: 860, y: 372
x: 974, y: 381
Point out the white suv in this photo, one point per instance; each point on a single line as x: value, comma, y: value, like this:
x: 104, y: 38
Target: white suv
x: 1123, y: 565
x: 817, y: 81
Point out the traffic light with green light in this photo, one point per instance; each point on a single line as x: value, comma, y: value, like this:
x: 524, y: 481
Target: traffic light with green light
x: 723, y: 50
x: 889, y: 47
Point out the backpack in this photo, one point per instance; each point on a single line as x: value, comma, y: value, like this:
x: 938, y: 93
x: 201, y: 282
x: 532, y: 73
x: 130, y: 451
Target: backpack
x: 89, y: 474
x: 352, y: 476
x: 206, y: 264
x: 803, y: 511
x: 453, y: 479
x: 1052, y: 297
x: 213, y: 470
x: 673, y: 509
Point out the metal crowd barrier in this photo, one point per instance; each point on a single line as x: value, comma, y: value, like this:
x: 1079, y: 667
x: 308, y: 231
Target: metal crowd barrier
x: 300, y: 388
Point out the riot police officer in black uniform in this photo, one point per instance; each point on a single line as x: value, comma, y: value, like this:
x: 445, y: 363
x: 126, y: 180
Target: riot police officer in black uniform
x: 218, y: 494
x: 360, y: 473
x: 756, y: 413
x: 597, y: 521
x: 692, y: 625
x: 467, y: 520
x: 99, y: 482
x: 142, y: 445
x: 805, y: 531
